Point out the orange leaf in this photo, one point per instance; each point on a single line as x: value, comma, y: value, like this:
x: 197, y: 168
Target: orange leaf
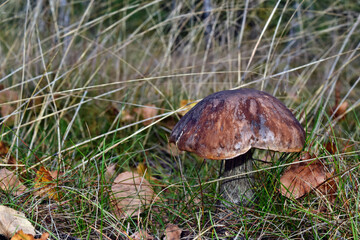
x: 20, y: 235
x: 45, y: 183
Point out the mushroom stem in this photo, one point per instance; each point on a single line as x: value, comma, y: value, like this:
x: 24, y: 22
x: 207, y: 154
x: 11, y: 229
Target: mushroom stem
x: 238, y: 190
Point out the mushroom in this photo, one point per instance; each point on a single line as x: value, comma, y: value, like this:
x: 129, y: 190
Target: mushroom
x: 227, y: 124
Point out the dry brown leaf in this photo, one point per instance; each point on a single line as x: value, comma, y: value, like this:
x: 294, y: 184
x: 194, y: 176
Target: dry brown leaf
x: 302, y: 177
x: 131, y: 193
x: 4, y: 150
x: 45, y: 184
x: 141, y: 235
x: 110, y: 171
x: 186, y: 105
x: 172, y: 232
x: 6, y: 107
x: 148, y: 111
x: 10, y: 182
x: 329, y: 188
x: 126, y: 116
x: 340, y: 113
x: 20, y: 235
x: 12, y: 221
x: 331, y: 147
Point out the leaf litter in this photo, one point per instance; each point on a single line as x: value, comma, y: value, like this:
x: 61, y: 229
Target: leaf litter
x: 131, y: 193
x: 9, y: 182
x: 12, y: 221
x: 304, y: 176
x: 45, y: 183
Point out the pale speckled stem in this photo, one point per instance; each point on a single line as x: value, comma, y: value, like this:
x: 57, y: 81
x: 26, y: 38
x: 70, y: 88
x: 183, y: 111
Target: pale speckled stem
x: 238, y: 190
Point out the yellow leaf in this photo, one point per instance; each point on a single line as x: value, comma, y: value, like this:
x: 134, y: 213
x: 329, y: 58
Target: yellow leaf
x: 142, y: 170
x: 186, y: 105
x: 45, y: 183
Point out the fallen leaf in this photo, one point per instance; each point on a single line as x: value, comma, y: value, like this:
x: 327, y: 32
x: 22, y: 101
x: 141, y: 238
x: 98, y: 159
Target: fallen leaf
x: 186, y: 105
x: 331, y: 147
x: 125, y: 115
x: 172, y: 232
x: 131, y: 193
x: 4, y: 148
x: 6, y: 107
x: 10, y: 182
x: 302, y: 177
x: 146, y: 112
x: 110, y: 171
x: 12, y: 221
x: 341, y: 110
x: 5, y: 157
x: 143, y: 170
x: 45, y: 184
x: 20, y: 235
x: 141, y: 235
x: 329, y: 188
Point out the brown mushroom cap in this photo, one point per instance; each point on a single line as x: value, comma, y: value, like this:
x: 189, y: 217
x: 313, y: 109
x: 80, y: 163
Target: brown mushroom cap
x: 227, y: 124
